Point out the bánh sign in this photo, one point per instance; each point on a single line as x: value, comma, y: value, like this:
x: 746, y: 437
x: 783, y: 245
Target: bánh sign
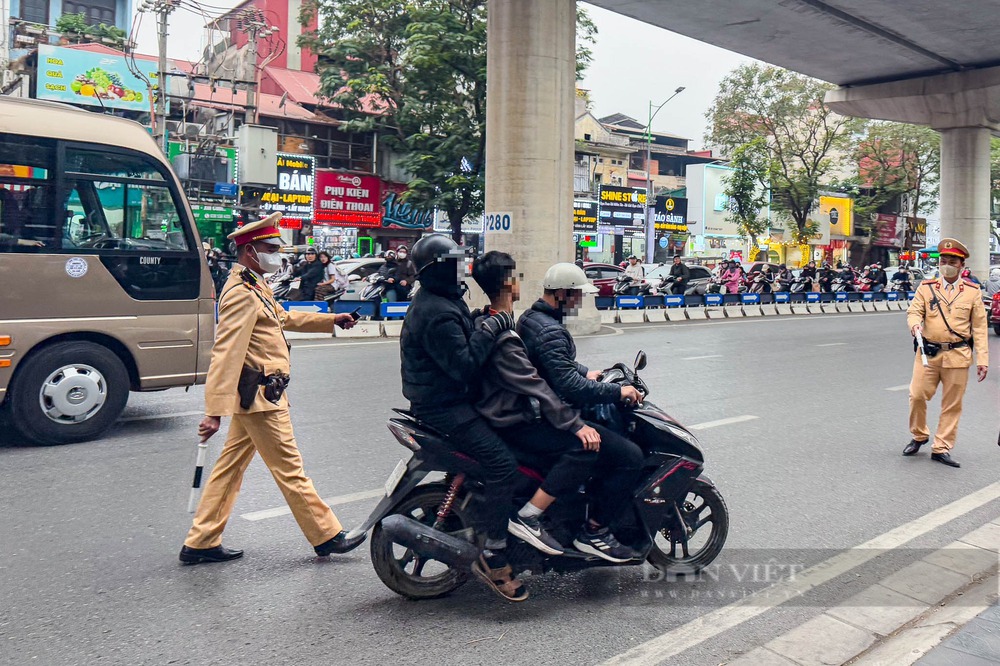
x: 293, y: 197
x: 585, y: 217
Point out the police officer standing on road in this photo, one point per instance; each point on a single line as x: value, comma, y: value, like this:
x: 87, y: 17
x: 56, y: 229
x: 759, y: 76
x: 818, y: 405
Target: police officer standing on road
x: 949, y: 314
x: 246, y: 379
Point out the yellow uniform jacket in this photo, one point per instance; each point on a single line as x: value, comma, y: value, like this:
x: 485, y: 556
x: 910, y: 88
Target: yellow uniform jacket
x: 250, y: 332
x: 965, y: 312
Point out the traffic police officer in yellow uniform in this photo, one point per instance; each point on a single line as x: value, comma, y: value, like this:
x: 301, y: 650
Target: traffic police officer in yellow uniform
x: 246, y: 380
x: 950, y: 315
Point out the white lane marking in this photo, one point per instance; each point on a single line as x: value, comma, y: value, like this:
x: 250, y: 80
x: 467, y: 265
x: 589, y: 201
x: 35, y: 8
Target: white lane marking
x: 756, y: 320
x: 344, y: 344
x: 698, y: 358
x: 901, y: 387
x: 332, y: 501
x: 721, y: 422
x: 832, y: 344
x: 710, y: 625
x: 153, y: 417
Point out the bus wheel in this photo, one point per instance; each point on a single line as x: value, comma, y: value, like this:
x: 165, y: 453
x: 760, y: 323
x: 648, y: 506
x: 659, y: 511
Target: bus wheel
x: 69, y: 392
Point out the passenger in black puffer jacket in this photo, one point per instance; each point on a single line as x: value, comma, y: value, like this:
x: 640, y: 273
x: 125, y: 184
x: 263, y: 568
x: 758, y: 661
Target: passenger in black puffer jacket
x: 552, y: 351
x: 443, y: 352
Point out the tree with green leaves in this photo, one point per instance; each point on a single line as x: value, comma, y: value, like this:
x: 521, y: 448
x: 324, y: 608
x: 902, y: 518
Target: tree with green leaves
x: 807, y: 142
x: 415, y: 73
x: 746, y: 196
x: 77, y: 29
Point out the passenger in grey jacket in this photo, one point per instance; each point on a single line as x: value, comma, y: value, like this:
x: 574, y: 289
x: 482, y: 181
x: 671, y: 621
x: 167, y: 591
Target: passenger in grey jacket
x: 529, y: 416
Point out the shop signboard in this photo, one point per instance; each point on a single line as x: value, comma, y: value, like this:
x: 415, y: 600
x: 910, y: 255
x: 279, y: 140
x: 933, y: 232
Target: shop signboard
x: 345, y: 199
x: 670, y: 215
x: 916, y: 233
x: 293, y: 196
x: 623, y: 206
x: 888, y: 231
x: 833, y: 217
x: 585, y: 217
x: 399, y: 214
x: 470, y: 225
x: 93, y: 79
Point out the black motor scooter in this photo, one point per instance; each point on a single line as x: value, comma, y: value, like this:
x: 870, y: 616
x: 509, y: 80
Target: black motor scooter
x: 427, y: 535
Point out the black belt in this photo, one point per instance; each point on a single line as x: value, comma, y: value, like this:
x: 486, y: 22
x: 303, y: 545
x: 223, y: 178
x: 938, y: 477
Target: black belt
x: 949, y: 345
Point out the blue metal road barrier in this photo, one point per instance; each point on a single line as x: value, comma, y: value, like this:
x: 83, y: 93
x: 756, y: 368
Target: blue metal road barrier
x: 867, y: 296
x: 367, y: 307
x: 653, y: 301
x: 630, y: 301
x: 394, y: 310
x: 750, y: 298
x: 812, y: 297
x: 841, y: 296
x: 673, y: 301
x: 604, y: 302
x: 307, y: 306
x: 782, y: 297
x: 713, y: 299
x: 694, y: 300
x: 892, y: 296
x: 910, y: 295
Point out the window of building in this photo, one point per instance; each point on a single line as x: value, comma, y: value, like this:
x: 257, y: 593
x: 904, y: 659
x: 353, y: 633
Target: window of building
x: 36, y: 11
x: 96, y: 11
x: 586, y: 137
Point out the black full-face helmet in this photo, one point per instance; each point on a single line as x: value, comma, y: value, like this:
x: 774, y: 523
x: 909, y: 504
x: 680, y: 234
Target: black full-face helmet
x: 440, y: 264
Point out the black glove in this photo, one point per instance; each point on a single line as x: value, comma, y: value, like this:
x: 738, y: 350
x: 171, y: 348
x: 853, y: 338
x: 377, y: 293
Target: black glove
x: 480, y: 312
x: 498, y: 323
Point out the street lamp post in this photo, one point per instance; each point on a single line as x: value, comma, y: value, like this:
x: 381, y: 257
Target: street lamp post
x: 650, y: 250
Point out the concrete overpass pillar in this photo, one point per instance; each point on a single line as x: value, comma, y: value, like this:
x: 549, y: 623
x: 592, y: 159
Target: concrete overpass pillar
x: 965, y: 192
x: 531, y: 74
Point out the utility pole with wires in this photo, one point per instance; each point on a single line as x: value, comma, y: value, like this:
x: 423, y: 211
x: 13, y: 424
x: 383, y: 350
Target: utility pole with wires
x: 162, y: 9
x: 252, y: 22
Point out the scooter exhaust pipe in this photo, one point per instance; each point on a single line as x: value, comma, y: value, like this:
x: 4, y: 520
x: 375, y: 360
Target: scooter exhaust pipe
x: 429, y: 542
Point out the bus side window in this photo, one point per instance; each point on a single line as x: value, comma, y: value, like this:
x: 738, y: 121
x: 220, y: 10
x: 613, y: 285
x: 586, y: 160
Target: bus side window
x: 26, y: 186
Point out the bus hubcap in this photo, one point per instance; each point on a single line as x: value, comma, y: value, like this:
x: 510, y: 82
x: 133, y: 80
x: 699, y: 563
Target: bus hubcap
x: 73, y: 394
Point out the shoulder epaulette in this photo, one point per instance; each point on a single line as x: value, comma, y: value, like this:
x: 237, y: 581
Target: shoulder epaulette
x: 929, y: 282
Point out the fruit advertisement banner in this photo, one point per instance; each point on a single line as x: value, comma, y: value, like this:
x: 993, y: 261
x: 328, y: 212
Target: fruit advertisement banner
x: 94, y: 79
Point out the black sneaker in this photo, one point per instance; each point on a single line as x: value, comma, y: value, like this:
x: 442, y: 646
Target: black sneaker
x: 603, y: 544
x: 530, y: 531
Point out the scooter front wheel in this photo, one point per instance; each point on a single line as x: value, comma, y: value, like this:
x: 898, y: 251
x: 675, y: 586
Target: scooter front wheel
x: 407, y: 573
x: 694, y: 533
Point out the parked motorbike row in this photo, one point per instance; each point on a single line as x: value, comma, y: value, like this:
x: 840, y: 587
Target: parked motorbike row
x: 756, y: 283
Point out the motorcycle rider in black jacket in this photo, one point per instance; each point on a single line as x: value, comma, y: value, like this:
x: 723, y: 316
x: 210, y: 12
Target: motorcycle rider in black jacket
x: 553, y: 352
x: 826, y: 277
x: 682, y: 273
x: 443, y: 352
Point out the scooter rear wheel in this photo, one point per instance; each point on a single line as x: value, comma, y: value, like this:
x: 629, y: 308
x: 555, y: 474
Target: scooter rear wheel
x: 403, y: 571
x: 687, y: 548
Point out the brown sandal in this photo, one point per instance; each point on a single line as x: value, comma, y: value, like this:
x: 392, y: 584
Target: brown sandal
x: 501, y: 580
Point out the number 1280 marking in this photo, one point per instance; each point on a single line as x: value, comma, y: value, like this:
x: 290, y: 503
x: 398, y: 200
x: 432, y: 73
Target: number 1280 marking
x: 498, y: 222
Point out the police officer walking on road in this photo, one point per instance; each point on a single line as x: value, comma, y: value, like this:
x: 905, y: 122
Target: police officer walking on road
x: 246, y: 380
x: 949, y: 315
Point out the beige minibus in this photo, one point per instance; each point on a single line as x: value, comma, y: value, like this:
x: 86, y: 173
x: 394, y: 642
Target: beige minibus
x: 103, y: 284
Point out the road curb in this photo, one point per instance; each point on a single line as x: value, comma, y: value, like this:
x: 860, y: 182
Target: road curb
x: 901, y: 618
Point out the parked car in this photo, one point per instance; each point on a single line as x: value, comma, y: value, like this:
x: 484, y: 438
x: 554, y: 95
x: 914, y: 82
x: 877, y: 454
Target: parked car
x: 697, y: 283
x: 995, y: 313
x: 603, y: 276
x: 357, y: 271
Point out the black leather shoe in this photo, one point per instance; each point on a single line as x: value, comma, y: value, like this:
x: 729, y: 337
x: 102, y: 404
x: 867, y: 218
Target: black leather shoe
x: 340, y: 544
x: 217, y: 554
x: 945, y: 459
x: 913, y: 447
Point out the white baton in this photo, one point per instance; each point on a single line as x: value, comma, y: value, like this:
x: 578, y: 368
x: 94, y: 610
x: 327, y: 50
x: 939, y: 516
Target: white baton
x: 920, y: 346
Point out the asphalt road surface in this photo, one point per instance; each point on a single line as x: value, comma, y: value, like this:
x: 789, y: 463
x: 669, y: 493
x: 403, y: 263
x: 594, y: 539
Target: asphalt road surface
x: 803, y: 421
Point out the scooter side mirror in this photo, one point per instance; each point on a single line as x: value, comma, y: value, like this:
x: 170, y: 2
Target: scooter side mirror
x: 640, y: 361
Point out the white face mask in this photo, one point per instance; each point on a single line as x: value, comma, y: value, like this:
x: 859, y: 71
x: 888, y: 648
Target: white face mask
x: 270, y: 262
x: 949, y: 272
